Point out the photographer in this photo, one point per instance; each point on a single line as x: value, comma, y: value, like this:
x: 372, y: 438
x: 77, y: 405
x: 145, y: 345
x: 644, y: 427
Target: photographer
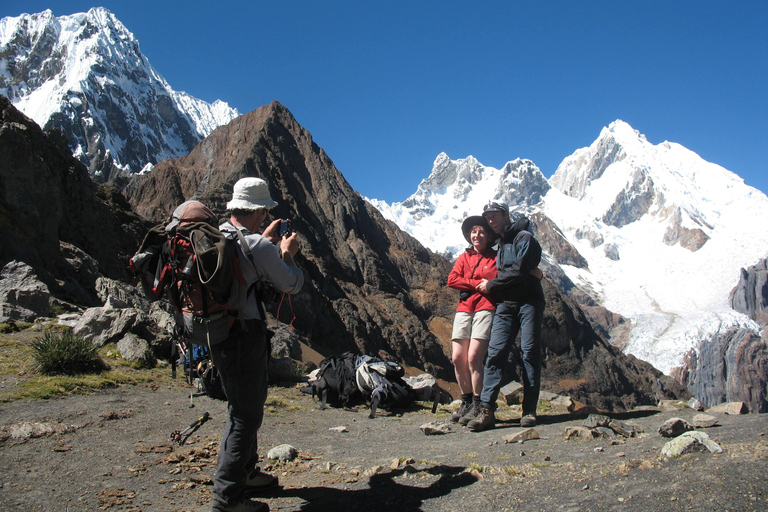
x: 242, y: 358
x: 474, y: 314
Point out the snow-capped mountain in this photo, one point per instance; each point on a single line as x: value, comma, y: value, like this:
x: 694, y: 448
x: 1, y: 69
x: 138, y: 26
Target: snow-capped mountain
x: 456, y: 189
x: 663, y: 233
x: 85, y: 74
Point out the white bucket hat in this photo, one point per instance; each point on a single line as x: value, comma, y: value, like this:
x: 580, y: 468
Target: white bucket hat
x: 250, y: 194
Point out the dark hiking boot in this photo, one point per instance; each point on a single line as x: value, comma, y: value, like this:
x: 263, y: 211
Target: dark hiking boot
x: 456, y: 416
x: 242, y: 506
x: 529, y: 420
x: 485, y: 420
x: 257, y: 481
x: 469, y: 415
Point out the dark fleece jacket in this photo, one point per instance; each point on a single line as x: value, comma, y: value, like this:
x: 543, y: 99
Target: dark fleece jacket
x: 518, y: 254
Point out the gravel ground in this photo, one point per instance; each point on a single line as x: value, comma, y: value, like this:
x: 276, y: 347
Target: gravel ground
x: 113, y: 451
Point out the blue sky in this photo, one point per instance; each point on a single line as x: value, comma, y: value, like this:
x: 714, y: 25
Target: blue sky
x: 384, y: 87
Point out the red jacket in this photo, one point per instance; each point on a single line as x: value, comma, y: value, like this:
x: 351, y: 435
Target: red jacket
x: 463, y: 278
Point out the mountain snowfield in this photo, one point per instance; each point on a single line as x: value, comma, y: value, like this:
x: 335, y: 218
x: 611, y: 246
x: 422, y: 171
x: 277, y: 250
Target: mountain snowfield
x: 54, y: 64
x: 617, y: 202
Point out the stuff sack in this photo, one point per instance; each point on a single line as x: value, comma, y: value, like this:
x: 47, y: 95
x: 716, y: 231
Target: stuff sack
x: 197, y: 267
x: 210, y: 380
x: 381, y: 383
x: 335, y: 383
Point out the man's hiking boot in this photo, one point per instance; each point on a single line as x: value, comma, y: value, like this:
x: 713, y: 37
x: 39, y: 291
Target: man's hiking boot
x: 456, y: 416
x: 469, y: 415
x: 485, y: 420
x: 529, y: 420
x: 258, y: 481
x: 245, y: 505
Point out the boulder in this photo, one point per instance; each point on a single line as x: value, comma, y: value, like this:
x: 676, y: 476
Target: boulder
x: 673, y: 427
x: 22, y: 295
x: 690, y: 442
x: 729, y: 408
x: 134, y: 349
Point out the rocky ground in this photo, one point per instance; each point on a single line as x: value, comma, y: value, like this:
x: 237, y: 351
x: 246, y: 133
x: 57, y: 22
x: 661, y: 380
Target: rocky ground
x: 112, y: 451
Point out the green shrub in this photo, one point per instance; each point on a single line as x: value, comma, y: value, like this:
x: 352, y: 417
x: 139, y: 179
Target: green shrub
x: 63, y: 353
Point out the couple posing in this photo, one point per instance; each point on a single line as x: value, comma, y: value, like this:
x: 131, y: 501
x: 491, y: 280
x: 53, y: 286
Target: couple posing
x: 500, y: 295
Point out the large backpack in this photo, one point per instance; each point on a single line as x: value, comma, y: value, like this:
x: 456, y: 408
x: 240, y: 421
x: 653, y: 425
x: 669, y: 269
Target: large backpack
x: 382, y: 384
x: 335, y: 383
x: 197, y: 267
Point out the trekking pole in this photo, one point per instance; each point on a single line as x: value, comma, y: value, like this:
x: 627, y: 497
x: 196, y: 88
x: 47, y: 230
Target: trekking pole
x: 190, y: 378
x: 181, y: 437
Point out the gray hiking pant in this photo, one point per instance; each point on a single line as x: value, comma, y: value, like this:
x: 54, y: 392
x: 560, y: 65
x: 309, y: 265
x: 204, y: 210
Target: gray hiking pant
x: 511, y: 318
x: 242, y: 364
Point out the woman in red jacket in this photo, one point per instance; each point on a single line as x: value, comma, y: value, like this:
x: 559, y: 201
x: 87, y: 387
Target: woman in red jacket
x: 474, y: 314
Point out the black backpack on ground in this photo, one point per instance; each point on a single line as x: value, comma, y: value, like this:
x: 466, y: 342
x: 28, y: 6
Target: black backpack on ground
x: 335, y: 383
x: 382, y: 384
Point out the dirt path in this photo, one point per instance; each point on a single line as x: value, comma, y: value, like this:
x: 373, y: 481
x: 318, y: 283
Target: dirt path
x: 112, y: 451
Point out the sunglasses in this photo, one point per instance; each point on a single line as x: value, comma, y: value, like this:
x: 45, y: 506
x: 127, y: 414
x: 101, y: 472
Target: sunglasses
x: 493, y: 206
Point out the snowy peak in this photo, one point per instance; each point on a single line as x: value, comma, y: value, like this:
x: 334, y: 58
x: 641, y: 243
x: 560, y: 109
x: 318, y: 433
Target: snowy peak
x: 85, y: 74
x: 456, y: 189
x: 622, y: 176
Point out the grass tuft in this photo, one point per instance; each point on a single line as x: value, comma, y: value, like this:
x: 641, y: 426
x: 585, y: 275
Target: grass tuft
x: 64, y: 353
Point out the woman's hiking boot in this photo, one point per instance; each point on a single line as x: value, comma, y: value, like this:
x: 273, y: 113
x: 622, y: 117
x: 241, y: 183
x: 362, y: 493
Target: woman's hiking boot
x: 469, y: 415
x: 456, y: 416
x: 529, y: 420
x: 485, y: 420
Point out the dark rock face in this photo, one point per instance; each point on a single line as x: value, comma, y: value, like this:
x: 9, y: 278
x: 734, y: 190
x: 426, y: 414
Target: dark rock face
x: 731, y: 367
x: 554, y: 242
x: 632, y: 202
x: 48, y: 204
x: 751, y: 293
x: 692, y: 239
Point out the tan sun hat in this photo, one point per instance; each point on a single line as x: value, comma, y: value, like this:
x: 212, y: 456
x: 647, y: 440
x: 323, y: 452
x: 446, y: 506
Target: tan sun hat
x: 250, y: 194
x: 477, y: 220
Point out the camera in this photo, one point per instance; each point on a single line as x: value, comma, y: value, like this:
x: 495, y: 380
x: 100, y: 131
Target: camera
x: 285, y: 228
x: 464, y: 294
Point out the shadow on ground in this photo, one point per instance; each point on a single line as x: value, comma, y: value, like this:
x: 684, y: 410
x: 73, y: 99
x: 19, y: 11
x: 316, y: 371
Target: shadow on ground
x: 383, y: 493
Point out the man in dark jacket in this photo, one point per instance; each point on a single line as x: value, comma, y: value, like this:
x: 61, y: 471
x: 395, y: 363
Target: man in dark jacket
x: 520, y: 308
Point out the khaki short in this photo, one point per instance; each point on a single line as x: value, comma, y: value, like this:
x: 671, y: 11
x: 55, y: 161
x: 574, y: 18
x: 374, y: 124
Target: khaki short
x: 475, y: 325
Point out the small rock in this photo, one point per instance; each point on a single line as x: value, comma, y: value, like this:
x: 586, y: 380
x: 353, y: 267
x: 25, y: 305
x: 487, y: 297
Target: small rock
x: 581, y: 432
x: 436, y: 428
x: 525, y: 435
x: 596, y: 420
x: 340, y: 428
x: 624, y: 429
x: 605, y: 431
x: 694, y: 404
x: 512, y: 393
x: 283, y: 452
x: 733, y: 408
x: 673, y: 427
x: 704, y: 421
x: 672, y: 405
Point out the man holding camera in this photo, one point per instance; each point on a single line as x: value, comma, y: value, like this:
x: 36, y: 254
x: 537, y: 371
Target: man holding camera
x: 242, y: 358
